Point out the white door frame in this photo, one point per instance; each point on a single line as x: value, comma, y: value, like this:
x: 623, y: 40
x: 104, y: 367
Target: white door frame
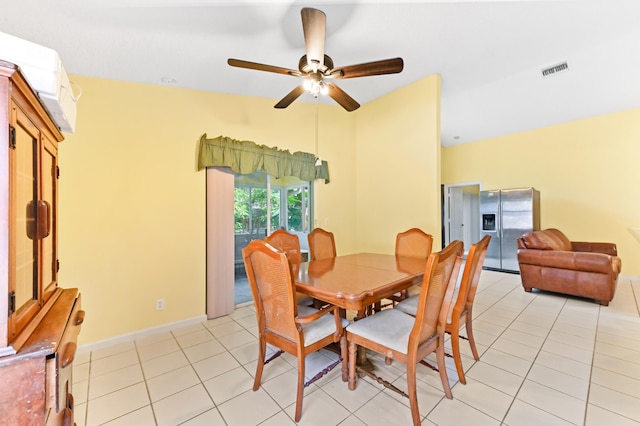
x: 468, y: 214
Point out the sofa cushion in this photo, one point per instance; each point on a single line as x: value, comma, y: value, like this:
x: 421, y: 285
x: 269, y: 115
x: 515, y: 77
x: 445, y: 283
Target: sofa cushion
x: 548, y: 239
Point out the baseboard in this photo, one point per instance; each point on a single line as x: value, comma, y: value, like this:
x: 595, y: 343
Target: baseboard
x: 88, y: 347
x: 628, y: 277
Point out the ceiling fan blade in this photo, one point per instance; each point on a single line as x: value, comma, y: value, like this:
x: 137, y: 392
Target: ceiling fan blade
x: 314, y: 23
x: 341, y: 97
x: 262, y: 67
x: 290, y: 97
x: 385, y: 66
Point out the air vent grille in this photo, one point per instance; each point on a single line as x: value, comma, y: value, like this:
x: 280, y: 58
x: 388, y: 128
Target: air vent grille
x: 555, y: 69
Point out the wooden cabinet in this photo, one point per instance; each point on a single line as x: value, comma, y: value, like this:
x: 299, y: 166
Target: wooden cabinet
x: 39, y: 321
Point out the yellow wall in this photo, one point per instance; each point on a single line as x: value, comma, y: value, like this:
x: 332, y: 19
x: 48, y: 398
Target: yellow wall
x: 132, y: 219
x: 335, y: 206
x: 132, y: 205
x: 586, y: 171
x: 398, y: 165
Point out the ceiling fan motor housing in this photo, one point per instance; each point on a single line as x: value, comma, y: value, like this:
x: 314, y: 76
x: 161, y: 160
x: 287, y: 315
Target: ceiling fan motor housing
x: 306, y: 67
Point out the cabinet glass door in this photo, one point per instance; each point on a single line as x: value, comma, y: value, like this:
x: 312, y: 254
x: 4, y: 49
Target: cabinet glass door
x: 25, y: 229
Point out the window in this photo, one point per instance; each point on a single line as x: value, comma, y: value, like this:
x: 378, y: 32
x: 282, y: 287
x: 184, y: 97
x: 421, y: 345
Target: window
x: 262, y: 203
x: 297, y: 208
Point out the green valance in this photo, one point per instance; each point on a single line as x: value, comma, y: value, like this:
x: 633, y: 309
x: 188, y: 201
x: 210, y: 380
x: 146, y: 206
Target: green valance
x: 246, y: 157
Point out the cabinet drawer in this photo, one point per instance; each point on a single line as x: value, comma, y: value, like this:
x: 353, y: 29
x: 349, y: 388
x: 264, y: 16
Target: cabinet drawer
x: 61, y: 364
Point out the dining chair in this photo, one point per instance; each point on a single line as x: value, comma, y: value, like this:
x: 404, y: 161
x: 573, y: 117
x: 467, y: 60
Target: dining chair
x: 462, y: 312
x: 408, y: 339
x: 413, y: 242
x: 281, y: 324
x: 286, y: 242
x: 322, y: 245
x: 289, y: 244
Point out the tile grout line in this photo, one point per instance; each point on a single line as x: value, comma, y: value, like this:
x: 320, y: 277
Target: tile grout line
x: 146, y: 384
x: 534, y: 359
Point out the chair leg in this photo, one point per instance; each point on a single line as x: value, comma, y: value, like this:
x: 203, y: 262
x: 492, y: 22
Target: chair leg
x: 442, y: 368
x: 300, y: 387
x: 352, y: 365
x: 262, y: 353
x: 455, y: 346
x: 413, y: 393
x: 345, y: 357
x: 472, y: 341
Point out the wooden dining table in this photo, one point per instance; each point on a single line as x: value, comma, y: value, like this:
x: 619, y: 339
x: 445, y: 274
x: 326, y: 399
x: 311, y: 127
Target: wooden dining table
x: 355, y: 281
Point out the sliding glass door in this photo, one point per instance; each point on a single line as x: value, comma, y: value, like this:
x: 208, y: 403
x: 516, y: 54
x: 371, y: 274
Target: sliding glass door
x: 263, y: 204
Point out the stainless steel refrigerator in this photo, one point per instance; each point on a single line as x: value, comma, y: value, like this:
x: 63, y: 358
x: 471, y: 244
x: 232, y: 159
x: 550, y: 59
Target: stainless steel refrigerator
x: 506, y: 214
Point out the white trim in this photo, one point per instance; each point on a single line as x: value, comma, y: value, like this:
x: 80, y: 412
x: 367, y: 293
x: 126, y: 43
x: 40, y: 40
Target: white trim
x: 628, y: 277
x: 446, y: 214
x: 140, y: 333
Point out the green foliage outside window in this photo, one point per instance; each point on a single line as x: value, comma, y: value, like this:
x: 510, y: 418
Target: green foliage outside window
x: 294, y: 209
x: 250, y: 209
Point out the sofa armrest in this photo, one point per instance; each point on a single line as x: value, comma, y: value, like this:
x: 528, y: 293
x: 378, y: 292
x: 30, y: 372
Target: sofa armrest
x: 578, y: 261
x: 606, y: 248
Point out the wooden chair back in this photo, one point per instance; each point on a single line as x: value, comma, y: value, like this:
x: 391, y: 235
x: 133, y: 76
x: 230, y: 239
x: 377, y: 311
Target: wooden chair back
x: 287, y: 243
x: 269, y: 275
x: 435, y: 297
x: 462, y: 309
x: 411, y: 243
x: 321, y: 244
x: 471, y: 276
x: 414, y: 243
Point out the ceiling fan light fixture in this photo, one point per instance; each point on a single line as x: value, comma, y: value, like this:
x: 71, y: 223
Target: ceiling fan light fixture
x: 315, y: 86
x: 315, y: 66
x: 308, y: 85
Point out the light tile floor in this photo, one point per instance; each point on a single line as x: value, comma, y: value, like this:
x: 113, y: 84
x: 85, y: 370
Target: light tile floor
x: 545, y: 359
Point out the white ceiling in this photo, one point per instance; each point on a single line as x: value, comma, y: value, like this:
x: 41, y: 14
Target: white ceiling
x: 489, y: 53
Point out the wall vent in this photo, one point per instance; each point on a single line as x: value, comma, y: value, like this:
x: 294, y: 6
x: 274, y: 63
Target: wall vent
x: 553, y: 70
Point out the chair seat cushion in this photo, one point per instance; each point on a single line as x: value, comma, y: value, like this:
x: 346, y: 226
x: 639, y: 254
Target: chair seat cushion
x: 305, y: 310
x: 319, y: 329
x: 389, y: 327
x: 408, y: 305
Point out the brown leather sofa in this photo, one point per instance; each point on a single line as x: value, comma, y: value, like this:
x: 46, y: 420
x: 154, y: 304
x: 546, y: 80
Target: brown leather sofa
x: 549, y: 261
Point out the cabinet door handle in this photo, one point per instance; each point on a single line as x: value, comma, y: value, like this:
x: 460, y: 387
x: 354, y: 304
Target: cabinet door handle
x: 44, y: 224
x: 70, y: 403
x: 68, y: 353
x: 79, y: 317
x: 67, y: 417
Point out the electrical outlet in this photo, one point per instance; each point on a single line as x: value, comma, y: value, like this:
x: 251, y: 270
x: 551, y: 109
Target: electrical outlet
x: 159, y: 304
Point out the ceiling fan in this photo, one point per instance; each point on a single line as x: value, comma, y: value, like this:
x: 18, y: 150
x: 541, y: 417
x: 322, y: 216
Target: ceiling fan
x: 316, y: 67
